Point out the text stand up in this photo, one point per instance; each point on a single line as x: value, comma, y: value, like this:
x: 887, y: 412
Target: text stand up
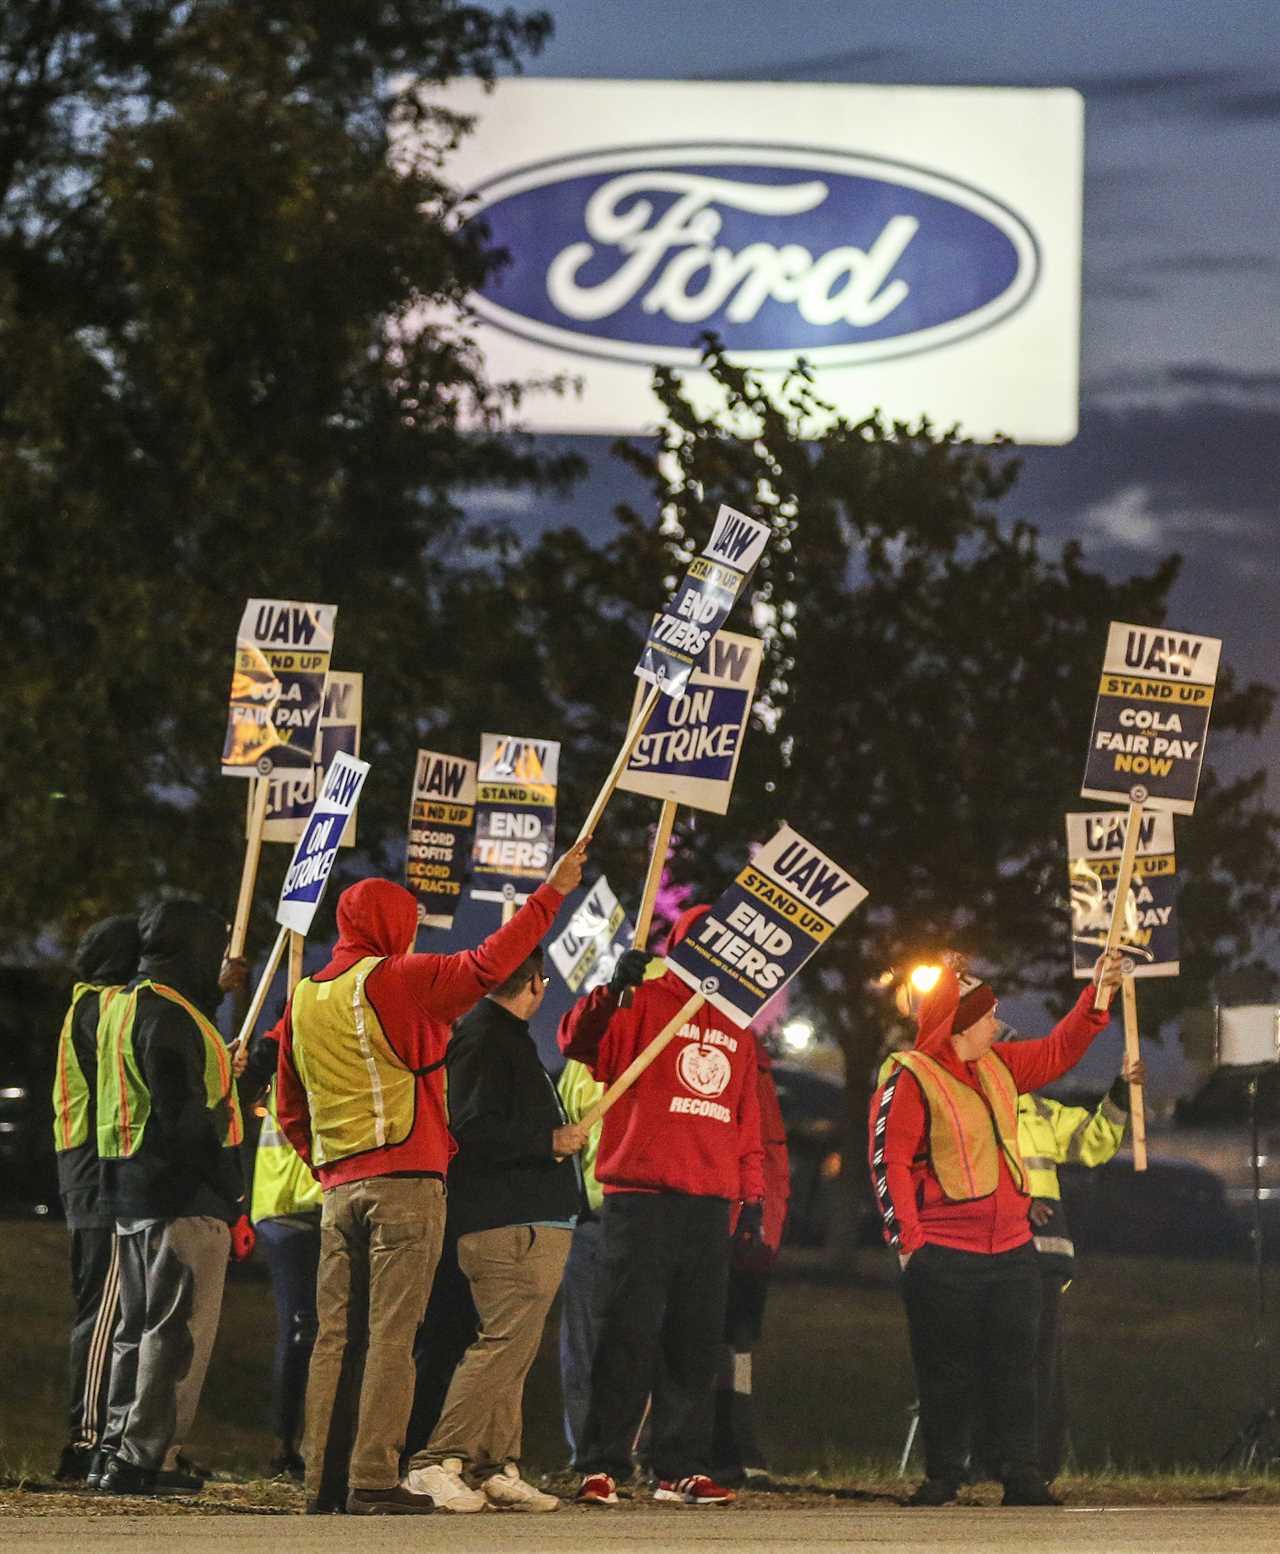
x: 1137, y: 1109
x: 638, y: 1064
x: 1137, y: 797
x: 657, y: 862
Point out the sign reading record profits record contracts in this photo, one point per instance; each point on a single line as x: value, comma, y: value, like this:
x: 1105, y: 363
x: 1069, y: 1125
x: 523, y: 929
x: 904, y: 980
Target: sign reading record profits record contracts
x: 918, y: 246
x: 787, y: 901
x: 312, y: 861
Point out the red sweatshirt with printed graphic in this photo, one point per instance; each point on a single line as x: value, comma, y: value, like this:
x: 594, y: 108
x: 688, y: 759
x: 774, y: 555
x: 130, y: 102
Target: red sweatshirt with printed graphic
x: 691, y: 1122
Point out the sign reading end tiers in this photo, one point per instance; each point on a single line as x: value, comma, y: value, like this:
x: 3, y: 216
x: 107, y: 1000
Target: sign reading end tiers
x: 919, y: 247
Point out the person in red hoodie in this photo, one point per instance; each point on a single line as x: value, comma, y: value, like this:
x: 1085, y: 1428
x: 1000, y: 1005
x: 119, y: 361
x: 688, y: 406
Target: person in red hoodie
x: 360, y: 1096
x: 677, y: 1151
x: 951, y: 1190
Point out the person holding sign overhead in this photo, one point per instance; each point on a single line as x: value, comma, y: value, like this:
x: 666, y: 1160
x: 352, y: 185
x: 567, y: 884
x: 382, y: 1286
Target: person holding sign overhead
x: 952, y: 1188
x: 361, y: 1098
x: 676, y: 1152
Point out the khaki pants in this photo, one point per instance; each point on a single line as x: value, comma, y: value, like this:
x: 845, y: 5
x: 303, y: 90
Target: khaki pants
x: 514, y: 1273
x: 379, y: 1245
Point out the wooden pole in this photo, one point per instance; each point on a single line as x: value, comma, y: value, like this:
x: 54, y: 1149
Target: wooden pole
x: 1137, y: 1110
x: 508, y: 909
x: 297, y: 943
x: 637, y: 1066
x: 624, y: 755
x: 1102, y: 998
x: 249, y: 872
x: 649, y: 897
x: 260, y: 992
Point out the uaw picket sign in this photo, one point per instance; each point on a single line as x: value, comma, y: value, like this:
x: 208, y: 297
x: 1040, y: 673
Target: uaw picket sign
x: 589, y: 948
x: 1152, y: 717
x: 920, y: 247
x: 780, y: 909
x: 291, y: 794
x: 312, y: 863
x: 690, y: 747
x: 277, y: 689
x: 515, y: 831
x: 441, y: 820
x: 680, y: 637
x: 1149, y: 935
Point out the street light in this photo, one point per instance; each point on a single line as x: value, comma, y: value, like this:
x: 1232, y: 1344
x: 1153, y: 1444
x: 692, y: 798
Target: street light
x: 797, y: 1035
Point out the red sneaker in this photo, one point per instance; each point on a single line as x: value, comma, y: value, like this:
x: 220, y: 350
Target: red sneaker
x: 597, y: 1489
x: 697, y: 1489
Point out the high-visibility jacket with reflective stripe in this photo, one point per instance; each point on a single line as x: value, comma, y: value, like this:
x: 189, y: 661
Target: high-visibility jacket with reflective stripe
x: 282, y: 1180
x: 361, y: 1095
x: 968, y: 1132
x: 1051, y: 1134
x: 124, y: 1100
x: 70, y: 1087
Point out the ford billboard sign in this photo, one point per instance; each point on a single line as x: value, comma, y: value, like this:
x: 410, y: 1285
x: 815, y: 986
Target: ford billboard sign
x: 918, y: 247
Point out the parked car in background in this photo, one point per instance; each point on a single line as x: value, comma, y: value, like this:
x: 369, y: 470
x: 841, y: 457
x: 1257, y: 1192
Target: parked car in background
x: 32, y: 1003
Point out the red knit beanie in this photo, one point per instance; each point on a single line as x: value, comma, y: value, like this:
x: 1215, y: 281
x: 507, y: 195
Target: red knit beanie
x: 976, y: 999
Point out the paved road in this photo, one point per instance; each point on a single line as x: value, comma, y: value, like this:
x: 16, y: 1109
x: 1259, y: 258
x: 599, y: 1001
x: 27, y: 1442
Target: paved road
x: 674, y: 1530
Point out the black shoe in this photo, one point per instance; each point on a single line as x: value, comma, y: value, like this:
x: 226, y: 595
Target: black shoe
x: 322, y: 1505
x: 101, y: 1462
x: 1031, y: 1491
x: 123, y: 1478
x: 287, y: 1464
x: 74, y: 1464
x: 175, y: 1481
x: 934, y: 1491
x: 398, y: 1501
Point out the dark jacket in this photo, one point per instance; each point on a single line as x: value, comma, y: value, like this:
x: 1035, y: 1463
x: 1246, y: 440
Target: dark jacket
x: 181, y: 1167
x: 107, y: 956
x: 503, y: 1110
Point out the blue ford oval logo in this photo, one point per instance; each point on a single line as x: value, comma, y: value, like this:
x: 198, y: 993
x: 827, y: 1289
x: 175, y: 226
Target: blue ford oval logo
x: 780, y: 250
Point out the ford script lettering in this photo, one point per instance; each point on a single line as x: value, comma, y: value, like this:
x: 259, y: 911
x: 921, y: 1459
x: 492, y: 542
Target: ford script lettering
x: 780, y: 251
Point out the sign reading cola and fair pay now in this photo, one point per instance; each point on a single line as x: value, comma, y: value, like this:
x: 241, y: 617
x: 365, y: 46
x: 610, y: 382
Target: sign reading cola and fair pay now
x: 918, y: 246
x: 1152, y: 717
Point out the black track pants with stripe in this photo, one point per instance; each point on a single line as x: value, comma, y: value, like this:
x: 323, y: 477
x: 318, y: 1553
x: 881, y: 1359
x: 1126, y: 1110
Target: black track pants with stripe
x: 95, y: 1288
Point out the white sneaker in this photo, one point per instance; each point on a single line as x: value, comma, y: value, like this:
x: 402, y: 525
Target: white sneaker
x: 507, y: 1491
x: 443, y: 1482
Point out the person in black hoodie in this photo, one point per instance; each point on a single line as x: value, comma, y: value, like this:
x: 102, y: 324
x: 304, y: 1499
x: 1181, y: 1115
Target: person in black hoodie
x: 169, y: 1131
x: 514, y: 1194
x: 105, y: 959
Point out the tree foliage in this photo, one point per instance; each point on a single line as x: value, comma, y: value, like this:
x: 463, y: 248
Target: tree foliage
x: 204, y: 395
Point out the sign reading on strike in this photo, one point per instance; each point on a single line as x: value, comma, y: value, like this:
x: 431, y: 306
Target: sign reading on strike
x: 1152, y: 717
x: 680, y: 638
x: 689, y: 750
x: 599, y: 933
x: 787, y: 902
x: 1150, y: 933
x: 313, y: 857
x: 290, y: 794
x: 515, y: 833
x: 441, y: 817
x: 277, y: 689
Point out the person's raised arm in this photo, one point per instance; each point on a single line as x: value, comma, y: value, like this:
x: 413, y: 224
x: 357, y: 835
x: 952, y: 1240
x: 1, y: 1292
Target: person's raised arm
x: 1035, y: 1064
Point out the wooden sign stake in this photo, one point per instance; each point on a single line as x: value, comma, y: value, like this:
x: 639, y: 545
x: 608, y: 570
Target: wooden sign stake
x: 624, y: 755
x: 657, y: 862
x: 1137, y: 1110
x: 249, y: 872
x: 260, y: 992
x: 1102, y: 998
x: 638, y: 1064
x: 297, y: 943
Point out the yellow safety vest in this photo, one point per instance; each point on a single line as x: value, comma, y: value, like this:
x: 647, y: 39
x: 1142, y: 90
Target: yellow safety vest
x: 124, y: 1101
x: 282, y: 1180
x: 70, y: 1087
x: 361, y: 1095
x: 967, y: 1133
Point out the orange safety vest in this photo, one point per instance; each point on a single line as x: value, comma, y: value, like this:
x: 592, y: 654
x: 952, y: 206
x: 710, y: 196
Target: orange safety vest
x: 968, y: 1132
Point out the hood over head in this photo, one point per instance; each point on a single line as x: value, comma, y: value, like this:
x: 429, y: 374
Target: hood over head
x: 680, y: 928
x: 108, y: 952
x: 952, y: 1004
x: 375, y: 917
x: 183, y: 943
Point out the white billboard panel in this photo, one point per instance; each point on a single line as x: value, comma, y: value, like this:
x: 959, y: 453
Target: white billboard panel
x: 920, y: 246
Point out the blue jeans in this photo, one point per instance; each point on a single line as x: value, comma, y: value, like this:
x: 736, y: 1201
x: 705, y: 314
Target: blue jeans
x: 292, y: 1250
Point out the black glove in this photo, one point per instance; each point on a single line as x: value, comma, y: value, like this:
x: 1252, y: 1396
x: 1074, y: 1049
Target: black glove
x: 629, y: 972
x: 750, y: 1254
